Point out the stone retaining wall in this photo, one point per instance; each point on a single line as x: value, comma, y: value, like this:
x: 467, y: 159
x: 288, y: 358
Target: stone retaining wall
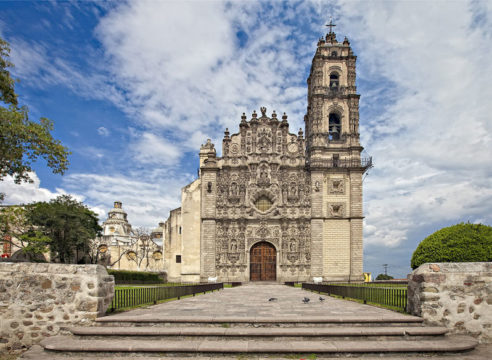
x: 41, y: 300
x: 455, y: 295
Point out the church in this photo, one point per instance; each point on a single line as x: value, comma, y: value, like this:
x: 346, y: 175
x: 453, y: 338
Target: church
x: 279, y: 206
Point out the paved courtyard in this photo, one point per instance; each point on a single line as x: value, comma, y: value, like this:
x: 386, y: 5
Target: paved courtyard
x: 252, y: 300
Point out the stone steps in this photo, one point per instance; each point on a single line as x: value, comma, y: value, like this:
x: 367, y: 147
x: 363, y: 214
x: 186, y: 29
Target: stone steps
x: 259, y: 331
x: 224, y: 337
x: 325, y: 321
x: 482, y: 352
x: 157, y: 347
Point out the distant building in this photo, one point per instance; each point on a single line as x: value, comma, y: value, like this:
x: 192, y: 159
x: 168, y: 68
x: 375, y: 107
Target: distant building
x: 121, y: 247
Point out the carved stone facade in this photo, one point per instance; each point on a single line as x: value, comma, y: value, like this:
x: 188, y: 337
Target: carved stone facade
x: 303, y: 195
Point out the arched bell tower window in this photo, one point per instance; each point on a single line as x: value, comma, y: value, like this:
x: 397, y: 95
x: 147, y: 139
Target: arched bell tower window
x: 334, y: 54
x: 334, y: 81
x: 335, y: 126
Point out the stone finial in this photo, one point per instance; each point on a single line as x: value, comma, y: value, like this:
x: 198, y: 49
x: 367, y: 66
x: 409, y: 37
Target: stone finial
x: 263, y: 111
x: 226, y: 133
x: 345, y: 41
x: 208, y: 145
x: 301, y: 133
x: 118, y: 204
x: 284, y: 117
x: 243, y: 118
x: 254, y: 115
x: 274, y: 114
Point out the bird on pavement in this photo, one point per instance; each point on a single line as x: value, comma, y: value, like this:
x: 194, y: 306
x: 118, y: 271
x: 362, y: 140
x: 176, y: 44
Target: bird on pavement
x: 272, y: 299
x: 321, y: 299
x: 306, y: 300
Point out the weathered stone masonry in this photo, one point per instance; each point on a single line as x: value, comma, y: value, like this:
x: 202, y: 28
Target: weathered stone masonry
x: 41, y: 300
x: 455, y: 295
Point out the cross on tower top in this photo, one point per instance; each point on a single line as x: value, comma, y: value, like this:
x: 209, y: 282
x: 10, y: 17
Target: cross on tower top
x: 330, y: 25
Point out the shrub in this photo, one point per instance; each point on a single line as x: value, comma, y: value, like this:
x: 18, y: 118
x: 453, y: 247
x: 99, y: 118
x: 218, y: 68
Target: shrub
x: 135, y: 277
x: 384, y: 277
x: 457, y: 243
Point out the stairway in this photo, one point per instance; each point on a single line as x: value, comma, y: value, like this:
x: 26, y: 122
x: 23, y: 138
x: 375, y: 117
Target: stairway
x: 370, y: 337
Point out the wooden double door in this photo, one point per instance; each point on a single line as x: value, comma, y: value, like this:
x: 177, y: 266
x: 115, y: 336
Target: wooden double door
x: 263, y: 262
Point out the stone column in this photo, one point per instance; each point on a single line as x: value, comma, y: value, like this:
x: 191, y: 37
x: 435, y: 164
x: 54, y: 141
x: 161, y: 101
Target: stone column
x: 208, y: 211
x: 356, y: 247
x: 317, y: 189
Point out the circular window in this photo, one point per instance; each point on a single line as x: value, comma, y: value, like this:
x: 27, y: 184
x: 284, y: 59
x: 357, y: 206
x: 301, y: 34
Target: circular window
x: 263, y: 203
x: 131, y: 255
x: 157, y: 255
x: 103, y: 249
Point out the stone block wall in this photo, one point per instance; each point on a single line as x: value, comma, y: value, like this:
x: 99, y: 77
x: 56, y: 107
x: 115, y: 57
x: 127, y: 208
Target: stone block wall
x: 41, y: 300
x: 455, y: 295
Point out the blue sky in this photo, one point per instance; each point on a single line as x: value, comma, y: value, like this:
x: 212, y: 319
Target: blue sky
x: 135, y: 87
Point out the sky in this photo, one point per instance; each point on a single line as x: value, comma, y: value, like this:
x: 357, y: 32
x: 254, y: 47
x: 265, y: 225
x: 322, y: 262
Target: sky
x: 135, y: 87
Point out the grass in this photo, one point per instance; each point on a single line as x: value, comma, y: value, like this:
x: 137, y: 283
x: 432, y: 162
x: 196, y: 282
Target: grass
x: 389, y: 307
x: 148, y: 304
x: 376, y: 285
x: 300, y: 356
x: 128, y: 286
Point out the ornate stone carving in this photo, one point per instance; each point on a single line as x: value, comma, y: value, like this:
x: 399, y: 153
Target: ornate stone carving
x: 336, y: 210
x: 272, y: 170
x: 336, y: 187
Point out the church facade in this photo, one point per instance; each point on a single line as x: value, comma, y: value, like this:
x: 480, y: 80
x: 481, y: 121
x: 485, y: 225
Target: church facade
x: 279, y: 206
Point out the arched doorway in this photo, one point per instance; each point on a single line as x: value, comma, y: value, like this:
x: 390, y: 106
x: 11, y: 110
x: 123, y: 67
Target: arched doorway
x: 263, y: 262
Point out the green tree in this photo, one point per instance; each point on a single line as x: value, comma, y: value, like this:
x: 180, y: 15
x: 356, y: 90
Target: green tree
x: 384, y: 277
x: 457, y: 243
x: 22, y: 235
x: 23, y: 141
x: 69, y: 224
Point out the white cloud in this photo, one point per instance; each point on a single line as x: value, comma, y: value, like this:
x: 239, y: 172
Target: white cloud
x: 103, y: 131
x: 430, y: 137
x: 25, y: 192
x: 149, y: 148
x: 188, y: 75
x: 147, y: 199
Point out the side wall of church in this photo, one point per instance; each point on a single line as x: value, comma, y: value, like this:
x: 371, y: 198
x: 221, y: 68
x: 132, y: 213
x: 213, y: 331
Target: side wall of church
x: 190, y: 246
x: 173, y: 245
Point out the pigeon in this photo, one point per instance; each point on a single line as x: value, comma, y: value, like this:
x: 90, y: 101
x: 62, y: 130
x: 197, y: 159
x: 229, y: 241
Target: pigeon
x: 321, y: 298
x: 306, y: 300
x: 272, y: 299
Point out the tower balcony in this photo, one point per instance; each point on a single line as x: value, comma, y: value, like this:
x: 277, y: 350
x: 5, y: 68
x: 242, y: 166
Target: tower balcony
x: 356, y: 164
x: 334, y: 90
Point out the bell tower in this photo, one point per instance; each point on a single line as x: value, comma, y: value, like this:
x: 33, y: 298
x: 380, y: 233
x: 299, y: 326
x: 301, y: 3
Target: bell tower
x: 333, y: 158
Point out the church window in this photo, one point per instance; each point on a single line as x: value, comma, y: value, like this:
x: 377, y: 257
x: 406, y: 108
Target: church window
x: 263, y: 203
x: 157, y: 255
x: 112, y: 229
x: 334, y: 81
x: 334, y: 53
x: 178, y: 259
x: 103, y: 248
x: 335, y: 126
x: 131, y: 255
x: 179, y: 230
x: 336, y: 160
